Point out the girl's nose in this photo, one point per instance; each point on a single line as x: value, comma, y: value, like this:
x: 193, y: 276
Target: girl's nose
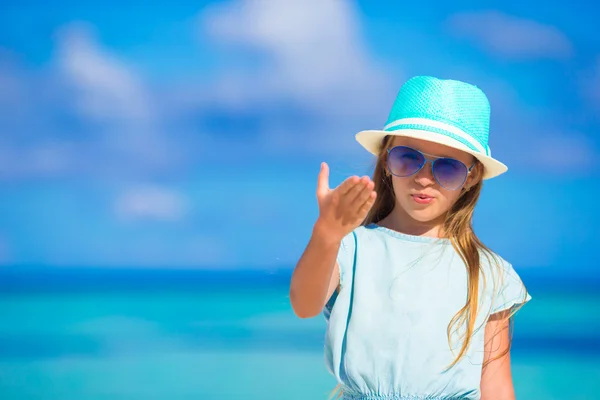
x: 424, y: 177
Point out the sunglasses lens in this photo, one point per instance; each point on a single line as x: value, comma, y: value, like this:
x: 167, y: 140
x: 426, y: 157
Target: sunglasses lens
x: 404, y: 161
x: 449, y: 173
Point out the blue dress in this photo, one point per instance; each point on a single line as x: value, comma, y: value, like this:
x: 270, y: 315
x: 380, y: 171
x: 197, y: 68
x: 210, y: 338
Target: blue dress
x: 386, y: 334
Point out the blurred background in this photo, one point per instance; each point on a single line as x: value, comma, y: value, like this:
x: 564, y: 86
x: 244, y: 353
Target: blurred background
x: 158, y: 166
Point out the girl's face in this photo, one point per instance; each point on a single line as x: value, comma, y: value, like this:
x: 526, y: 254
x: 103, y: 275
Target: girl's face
x: 419, y: 195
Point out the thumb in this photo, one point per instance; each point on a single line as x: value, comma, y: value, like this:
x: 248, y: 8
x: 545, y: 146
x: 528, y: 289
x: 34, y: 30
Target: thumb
x: 323, y: 180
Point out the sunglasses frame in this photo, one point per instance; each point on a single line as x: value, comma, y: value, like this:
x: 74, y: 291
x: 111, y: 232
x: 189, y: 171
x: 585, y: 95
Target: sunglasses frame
x: 428, y: 158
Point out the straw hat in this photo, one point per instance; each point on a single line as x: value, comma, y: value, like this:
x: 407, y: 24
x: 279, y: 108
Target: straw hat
x: 449, y: 112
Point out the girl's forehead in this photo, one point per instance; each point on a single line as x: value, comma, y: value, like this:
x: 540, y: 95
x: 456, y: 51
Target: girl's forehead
x: 435, y: 149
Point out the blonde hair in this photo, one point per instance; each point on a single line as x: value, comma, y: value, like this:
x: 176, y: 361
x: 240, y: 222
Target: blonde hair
x: 458, y: 228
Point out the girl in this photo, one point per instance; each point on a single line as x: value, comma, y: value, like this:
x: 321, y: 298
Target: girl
x: 417, y: 306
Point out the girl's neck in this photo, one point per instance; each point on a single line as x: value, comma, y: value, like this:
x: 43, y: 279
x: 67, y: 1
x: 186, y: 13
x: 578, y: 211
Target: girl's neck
x: 402, y: 222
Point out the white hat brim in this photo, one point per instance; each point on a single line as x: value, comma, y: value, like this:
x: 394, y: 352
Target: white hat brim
x: 371, y: 140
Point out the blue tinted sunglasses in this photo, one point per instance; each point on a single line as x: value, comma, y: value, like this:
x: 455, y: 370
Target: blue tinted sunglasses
x: 450, y: 173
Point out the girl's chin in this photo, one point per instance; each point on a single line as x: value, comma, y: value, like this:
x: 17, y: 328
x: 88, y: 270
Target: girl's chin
x: 423, y: 215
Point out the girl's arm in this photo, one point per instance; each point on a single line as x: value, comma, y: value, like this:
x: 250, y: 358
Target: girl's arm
x: 341, y: 210
x: 316, y: 275
x: 496, y: 377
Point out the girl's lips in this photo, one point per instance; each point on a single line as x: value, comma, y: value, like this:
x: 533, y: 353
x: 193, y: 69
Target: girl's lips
x: 422, y: 199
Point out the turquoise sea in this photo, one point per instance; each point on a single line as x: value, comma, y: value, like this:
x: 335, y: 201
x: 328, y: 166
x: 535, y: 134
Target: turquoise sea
x: 139, y: 334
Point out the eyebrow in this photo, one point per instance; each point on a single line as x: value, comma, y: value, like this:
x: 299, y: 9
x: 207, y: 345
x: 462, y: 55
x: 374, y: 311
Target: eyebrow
x: 443, y: 155
x: 412, y: 144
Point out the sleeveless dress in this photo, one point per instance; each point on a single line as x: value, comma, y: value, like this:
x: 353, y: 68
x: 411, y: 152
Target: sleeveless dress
x: 386, y: 334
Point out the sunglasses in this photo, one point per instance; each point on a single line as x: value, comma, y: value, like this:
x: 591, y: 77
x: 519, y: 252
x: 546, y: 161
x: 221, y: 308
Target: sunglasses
x: 450, y: 173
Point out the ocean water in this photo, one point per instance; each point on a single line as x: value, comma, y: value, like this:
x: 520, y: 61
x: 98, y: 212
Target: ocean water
x: 94, y: 334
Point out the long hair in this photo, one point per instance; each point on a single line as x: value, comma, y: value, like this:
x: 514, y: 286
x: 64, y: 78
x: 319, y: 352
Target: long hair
x: 457, y: 227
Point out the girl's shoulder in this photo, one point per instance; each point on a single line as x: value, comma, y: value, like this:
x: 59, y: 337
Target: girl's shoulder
x: 502, y: 282
x: 493, y: 264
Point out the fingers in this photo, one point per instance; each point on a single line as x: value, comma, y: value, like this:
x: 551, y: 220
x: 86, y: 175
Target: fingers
x: 355, y: 191
x: 363, y: 195
x: 323, y: 179
x: 366, y: 206
x: 348, y: 184
x: 358, y: 210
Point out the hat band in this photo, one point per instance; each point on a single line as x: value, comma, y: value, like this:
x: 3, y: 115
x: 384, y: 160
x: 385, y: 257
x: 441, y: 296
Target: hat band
x: 438, y: 127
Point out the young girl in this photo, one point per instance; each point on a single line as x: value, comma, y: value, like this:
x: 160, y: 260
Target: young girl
x: 417, y: 307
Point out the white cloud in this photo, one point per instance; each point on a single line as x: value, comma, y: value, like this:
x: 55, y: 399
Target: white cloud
x: 90, y: 114
x: 151, y: 203
x: 107, y: 88
x: 114, y: 99
x: 314, y: 54
x: 509, y: 36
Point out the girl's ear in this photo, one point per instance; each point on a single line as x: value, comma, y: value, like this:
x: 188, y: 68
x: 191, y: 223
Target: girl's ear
x: 384, y: 166
x: 471, y: 181
x: 474, y: 177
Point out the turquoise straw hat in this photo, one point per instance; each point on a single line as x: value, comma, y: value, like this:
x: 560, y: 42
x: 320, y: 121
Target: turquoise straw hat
x: 444, y: 111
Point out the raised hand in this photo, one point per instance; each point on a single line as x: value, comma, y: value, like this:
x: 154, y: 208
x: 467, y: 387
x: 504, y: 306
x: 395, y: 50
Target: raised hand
x: 343, y: 209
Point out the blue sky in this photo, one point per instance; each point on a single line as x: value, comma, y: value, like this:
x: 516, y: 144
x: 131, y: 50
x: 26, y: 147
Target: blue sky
x: 190, y: 134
